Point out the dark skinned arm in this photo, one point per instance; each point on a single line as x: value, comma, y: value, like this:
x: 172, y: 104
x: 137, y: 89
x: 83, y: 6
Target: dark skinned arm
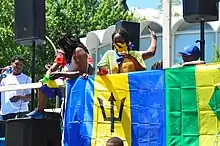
x: 137, y: 65
x: 151, y: 51
x: 56, y: 75
x: 21, y: 97
x: 193, y: 63
x: 26, y: 97
x: 70, y: 74
x: 53, y: 68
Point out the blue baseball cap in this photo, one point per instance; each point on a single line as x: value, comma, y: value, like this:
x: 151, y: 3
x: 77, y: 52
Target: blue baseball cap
x: 190, y: 50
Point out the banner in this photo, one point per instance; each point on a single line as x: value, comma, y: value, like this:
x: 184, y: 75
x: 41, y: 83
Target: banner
x: 192, y: 105
x: 129, y: 106
x: 172, y: 107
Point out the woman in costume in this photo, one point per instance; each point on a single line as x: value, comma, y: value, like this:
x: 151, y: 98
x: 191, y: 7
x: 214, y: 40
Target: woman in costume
x: 121, y: 58
x: 73, y: 56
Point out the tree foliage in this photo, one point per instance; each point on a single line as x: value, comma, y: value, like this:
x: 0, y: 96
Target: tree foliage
x: 216, y: 54
x: 74, y: 16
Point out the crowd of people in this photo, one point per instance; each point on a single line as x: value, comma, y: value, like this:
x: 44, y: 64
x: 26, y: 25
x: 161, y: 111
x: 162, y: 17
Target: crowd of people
x: 73, y: 61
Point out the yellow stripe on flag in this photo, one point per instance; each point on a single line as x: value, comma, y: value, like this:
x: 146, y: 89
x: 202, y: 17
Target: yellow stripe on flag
x: 207, y: 78
x: 104, y: 86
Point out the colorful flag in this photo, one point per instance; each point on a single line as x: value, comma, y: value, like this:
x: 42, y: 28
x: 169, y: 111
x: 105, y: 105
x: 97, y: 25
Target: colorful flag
x: 175, y: 107
x: 192, y: 105
x: 129, y: 106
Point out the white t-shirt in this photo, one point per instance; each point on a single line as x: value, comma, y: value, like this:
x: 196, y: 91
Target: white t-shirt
x: 7, y: 106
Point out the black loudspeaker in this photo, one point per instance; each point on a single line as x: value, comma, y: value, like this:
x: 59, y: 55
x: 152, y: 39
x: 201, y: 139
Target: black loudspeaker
x: 30, y: 21
x: 133, y: 30
x: 2, y: 128
x: 33, y: 132
x: 195, y: 10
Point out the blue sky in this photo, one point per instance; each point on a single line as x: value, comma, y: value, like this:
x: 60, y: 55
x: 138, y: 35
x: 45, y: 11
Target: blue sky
x: 143, y: 3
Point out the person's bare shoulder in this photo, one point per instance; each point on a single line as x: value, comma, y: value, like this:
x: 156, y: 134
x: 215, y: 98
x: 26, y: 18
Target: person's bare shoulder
x: 80, y: 50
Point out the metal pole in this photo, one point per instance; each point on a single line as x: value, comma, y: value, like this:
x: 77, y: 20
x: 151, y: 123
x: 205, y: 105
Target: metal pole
x: 57, y: 105
x: 33, y: 72
x: 202, y: 39
x: 167, y: 15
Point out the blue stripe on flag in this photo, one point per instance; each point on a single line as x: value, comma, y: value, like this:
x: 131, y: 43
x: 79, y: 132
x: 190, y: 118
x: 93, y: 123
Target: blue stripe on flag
x: 78, y: 121
x: 147, y: 99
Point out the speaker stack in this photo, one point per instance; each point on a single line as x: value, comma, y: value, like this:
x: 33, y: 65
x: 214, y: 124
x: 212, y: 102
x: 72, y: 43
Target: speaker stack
x: 29, y: 22
x: 133, y: 30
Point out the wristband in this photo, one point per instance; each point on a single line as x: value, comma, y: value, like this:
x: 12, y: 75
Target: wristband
x: 46, y: 79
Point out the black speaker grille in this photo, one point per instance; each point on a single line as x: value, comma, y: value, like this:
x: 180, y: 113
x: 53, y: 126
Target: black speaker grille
x: 33, y: 132
x: 30, y: 21
x: 195, y: 10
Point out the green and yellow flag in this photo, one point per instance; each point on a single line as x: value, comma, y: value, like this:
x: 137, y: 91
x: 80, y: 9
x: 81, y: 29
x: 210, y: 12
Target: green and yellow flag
x: 192, y: 105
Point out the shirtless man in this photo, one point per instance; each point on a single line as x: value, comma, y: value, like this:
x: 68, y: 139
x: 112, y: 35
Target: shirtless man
x: 75, y: 54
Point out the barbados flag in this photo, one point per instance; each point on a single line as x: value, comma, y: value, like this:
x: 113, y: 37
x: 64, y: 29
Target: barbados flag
x: 193, y: 105
x: 130, y: 106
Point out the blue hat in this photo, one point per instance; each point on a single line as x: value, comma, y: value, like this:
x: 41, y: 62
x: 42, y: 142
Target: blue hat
x: 190, y: 50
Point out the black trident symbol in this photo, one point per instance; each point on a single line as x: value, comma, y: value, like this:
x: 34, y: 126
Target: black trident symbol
x: 112, y: 118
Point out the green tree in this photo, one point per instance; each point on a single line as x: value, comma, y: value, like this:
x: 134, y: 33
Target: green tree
x: 216, y: 54
x: 107, y: 14
x: 74, y: 16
